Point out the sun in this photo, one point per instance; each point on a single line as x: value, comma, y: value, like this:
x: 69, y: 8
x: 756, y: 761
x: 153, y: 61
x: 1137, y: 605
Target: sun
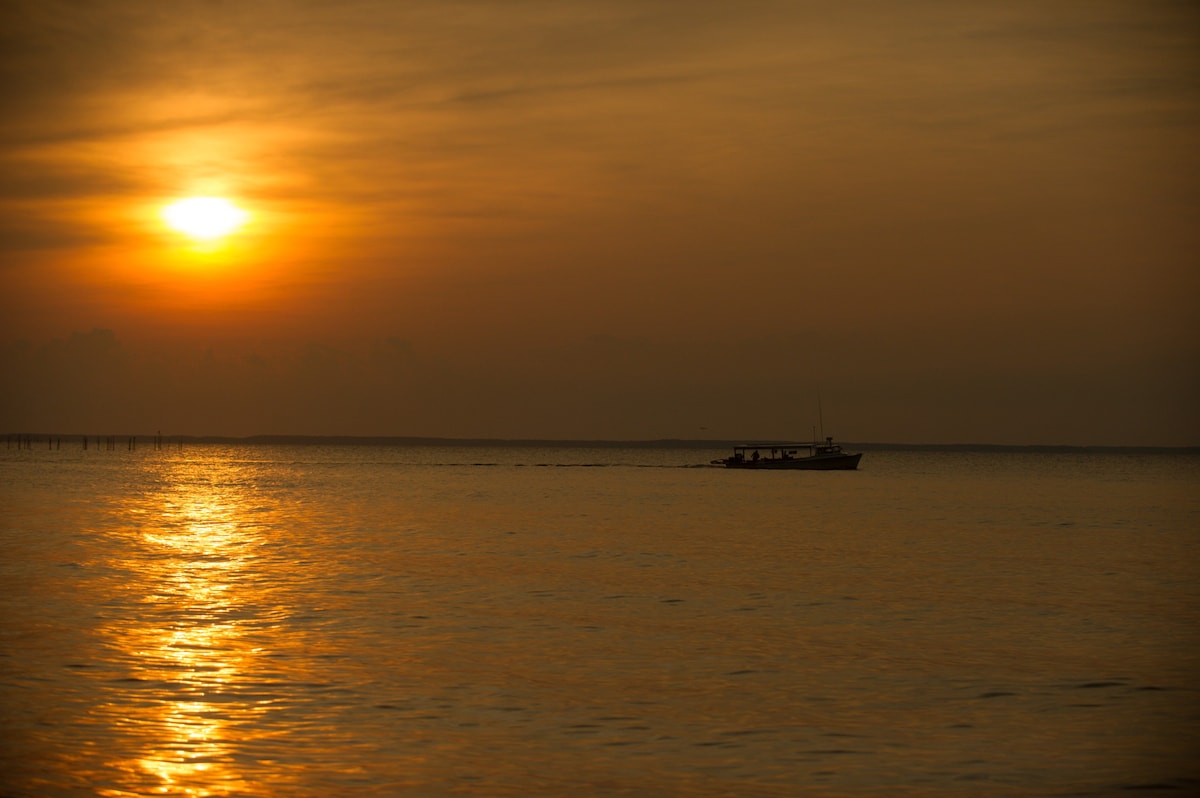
x: 204, y: 218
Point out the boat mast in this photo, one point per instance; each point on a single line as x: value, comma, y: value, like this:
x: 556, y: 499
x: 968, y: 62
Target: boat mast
x: 820, y: 414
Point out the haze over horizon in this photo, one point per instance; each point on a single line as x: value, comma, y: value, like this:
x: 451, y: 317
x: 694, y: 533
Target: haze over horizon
x: 955, y: 223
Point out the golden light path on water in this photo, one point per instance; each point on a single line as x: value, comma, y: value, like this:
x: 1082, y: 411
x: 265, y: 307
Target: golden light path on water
x: 194, y: 560
x: 234, y: 642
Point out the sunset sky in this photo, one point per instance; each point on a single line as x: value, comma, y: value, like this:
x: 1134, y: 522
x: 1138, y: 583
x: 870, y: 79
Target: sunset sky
x: 631, y: 219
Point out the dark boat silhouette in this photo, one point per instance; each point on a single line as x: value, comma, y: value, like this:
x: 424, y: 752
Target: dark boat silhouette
x: 827, y: 456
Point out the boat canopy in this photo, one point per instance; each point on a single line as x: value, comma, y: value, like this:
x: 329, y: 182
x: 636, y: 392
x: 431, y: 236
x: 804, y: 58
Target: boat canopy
x: 749, y: 446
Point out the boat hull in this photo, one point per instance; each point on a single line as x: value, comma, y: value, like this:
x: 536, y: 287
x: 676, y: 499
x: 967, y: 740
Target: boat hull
x: 836, y: 462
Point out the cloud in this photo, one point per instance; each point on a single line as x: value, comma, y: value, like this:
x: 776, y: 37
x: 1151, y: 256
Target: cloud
x: 979, y: 390
x: 716, y: 183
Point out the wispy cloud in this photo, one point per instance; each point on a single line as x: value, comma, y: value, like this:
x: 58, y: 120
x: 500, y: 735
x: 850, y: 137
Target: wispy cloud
x: 474, y: 177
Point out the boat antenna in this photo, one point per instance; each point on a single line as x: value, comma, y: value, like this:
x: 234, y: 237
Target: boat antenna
x: 820, y: 414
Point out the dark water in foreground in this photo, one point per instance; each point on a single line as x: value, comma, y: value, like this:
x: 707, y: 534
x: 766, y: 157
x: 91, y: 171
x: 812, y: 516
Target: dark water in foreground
x: 308, y: 620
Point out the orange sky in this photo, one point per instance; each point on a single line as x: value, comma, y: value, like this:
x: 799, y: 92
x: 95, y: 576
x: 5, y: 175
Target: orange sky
x: 959, y: 222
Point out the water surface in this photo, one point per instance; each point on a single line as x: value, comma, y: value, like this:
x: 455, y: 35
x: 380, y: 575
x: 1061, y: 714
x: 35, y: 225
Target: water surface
x: 315, y: 620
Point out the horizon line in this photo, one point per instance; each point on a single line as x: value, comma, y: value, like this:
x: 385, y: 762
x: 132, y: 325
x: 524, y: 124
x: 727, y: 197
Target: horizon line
x: 681, y: 443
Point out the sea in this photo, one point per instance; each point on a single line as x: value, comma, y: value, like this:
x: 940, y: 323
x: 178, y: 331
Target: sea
x: 317, y: 619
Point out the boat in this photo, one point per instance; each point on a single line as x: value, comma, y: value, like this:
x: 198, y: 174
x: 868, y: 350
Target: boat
x: 827, y: 456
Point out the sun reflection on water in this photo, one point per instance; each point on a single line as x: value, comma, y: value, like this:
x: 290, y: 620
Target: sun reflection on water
x: 195, y: 638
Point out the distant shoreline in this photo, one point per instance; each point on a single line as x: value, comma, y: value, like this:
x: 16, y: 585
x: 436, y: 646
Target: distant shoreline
x: 32, y: 439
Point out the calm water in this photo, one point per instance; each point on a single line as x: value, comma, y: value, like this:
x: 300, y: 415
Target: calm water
x: 252, y: 621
